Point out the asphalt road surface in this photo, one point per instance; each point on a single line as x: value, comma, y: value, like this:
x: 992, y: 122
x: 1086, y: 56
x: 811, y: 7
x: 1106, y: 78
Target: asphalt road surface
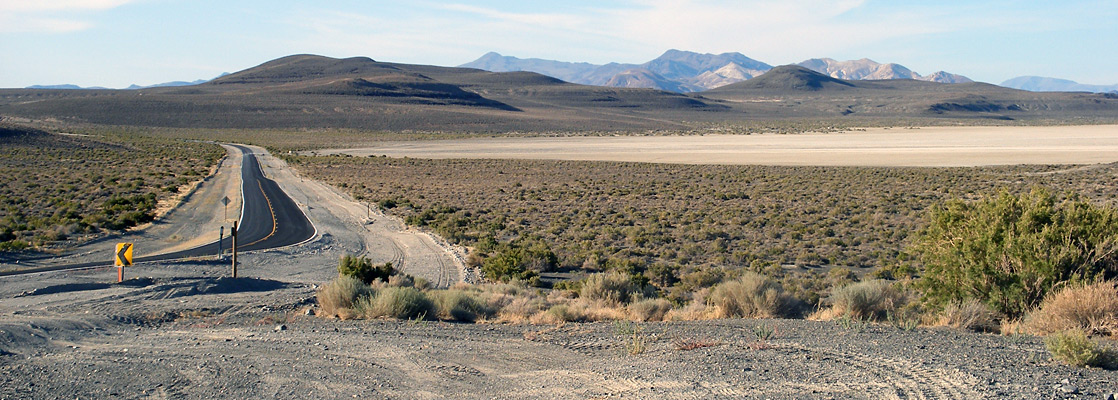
x: 270, y: 219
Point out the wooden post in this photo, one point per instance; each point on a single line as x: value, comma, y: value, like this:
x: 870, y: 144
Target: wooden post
x: 233, y: 234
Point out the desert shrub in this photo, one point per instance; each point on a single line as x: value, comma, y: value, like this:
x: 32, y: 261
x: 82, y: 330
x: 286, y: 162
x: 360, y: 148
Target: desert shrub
x: 341, y: 293
x: 362, y: 269
x: 867, y: 300
x: 513, y: 262
x: 1092, y: 308
x: 1075, y: 348
x: 649, y: 310
x: 517, y: 308
x: 753, y: 296
x: 400, y: 303
x: 613, y: 287
x: 1009, y: 251
x: 560, y: 313
x: 459, y: 305
x: 970, y: 315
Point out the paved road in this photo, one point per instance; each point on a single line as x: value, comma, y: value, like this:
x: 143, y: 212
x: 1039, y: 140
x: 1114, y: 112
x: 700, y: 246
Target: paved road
x: 269, y: 219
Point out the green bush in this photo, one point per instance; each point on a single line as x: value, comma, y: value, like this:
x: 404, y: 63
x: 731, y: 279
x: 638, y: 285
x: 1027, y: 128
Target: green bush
x: 362, y: 269
x: 869, y: 300
x: 1075, y: 348
x: 753, y: 296
x: 523, y: 261
x: 1010, y: 251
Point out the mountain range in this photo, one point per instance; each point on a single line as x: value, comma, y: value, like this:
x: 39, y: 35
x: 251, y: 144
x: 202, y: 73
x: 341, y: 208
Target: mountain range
x: 316, y: 92
x: 685, y: 71
x: 130, y: 87
x: 1043, y: 84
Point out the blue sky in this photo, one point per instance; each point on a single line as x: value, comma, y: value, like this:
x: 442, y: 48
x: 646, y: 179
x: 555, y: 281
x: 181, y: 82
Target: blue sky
x: 114, y: 43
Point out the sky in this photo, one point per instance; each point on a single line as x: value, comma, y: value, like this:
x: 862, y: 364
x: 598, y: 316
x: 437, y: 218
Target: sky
x: 116, y: 43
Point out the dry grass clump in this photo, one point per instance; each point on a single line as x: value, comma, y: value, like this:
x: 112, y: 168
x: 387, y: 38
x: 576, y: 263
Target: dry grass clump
x: 614, y: 287
x: 1090, y: 308
x: 649, y: 310
x: 970, y: 315
x: 872, y: 300
x: 752, y: 296
x: 397, y: 302
x: 459, y: 305
x: 341, y: 294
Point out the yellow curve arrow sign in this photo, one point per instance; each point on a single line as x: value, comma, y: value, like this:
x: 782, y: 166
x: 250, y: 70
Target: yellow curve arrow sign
x: 123, y: 254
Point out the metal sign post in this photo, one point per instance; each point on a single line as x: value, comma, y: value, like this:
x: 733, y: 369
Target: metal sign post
x: 233, y: 234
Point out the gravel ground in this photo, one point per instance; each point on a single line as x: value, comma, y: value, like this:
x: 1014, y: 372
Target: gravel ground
x: 184, y: 330
x: 200, y: 335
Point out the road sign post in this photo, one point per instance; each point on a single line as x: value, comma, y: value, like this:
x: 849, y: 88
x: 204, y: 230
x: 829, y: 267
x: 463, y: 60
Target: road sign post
x: 233, y: 235
x: 123, y: 258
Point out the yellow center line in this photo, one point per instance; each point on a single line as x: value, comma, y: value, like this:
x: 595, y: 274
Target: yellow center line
x: 271, y: 210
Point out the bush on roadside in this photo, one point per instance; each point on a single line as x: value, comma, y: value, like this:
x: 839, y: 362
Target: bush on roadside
x: 362, y: 269
x: 1091, y: 308
x: 399, y: 303
x: 1075, y: 348
x: 753, y: 296
x: 341, y: 294
x: 871, y: 300
x: 459, y: 305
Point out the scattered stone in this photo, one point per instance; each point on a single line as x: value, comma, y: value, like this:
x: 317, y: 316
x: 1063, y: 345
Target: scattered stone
x: 1069, y: 389
x: 281, y: 327
x: 310, y: 312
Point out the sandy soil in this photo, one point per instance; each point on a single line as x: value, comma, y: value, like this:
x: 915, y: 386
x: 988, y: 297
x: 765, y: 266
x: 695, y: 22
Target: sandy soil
x: 926, y: 147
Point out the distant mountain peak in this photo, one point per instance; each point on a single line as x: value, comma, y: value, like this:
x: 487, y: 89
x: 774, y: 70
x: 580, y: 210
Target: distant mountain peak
x: 686, y: 71
x: 1046, y: 84
x: 867, y: 69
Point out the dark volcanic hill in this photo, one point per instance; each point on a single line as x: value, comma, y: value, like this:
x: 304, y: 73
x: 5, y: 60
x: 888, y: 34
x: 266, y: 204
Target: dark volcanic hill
x: 306, y: 91
x: 795, y: 90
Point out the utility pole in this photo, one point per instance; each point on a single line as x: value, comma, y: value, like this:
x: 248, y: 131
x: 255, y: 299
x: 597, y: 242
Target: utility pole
x: 233, y: 234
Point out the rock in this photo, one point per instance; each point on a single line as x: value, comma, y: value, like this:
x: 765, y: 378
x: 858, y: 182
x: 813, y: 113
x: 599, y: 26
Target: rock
x: 281, y: 327
x: 1112, y: 396
x: 1069, y: 389
x: 309, y: 311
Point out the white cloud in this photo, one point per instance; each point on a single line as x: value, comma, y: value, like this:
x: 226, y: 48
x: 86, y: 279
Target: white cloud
x: 12, y: 24
x: 50, y: 16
